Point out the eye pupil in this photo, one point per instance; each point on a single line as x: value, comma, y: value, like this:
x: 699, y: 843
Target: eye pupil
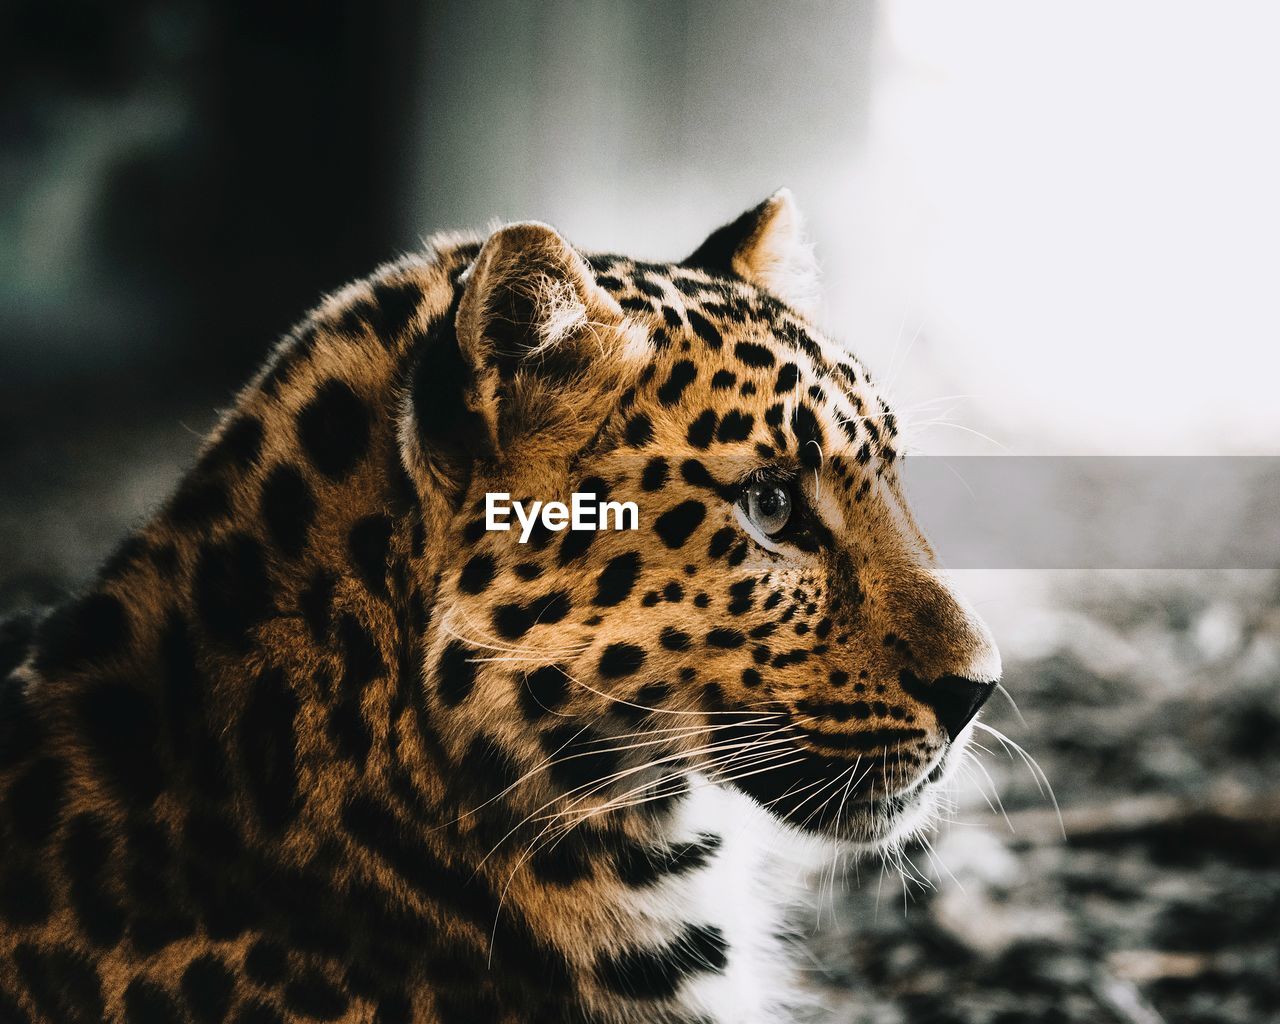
x: 768, y: 506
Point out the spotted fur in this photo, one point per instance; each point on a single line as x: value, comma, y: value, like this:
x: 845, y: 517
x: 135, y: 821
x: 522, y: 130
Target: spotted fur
x: 316, y: 746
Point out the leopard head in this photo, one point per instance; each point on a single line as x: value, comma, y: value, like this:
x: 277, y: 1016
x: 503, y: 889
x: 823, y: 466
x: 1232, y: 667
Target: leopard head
x: 777, y: 622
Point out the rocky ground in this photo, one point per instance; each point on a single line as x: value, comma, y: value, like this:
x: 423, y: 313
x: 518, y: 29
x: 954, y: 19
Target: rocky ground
x: 1152, y: 704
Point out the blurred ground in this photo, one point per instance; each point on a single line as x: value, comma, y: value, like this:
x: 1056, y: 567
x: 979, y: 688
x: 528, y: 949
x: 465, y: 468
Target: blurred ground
x: 1150, y: 701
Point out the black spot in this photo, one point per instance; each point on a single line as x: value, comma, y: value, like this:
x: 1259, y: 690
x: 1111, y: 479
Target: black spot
x: 621, y: 659
x: 676, y: 524
x: 736, y: 426
x: 145, y: 1002
x: 639, y: 430
x: 674, y: 639
x: 312, y: 995
x: 334, y: 428
x: 78, y: 634
x: 617, y: 579
x: 655, y: 474
x: 540, y: 535
x: 457, y: 674
x: 754, y: 355
x: 514, y: 620
x: 474, y: 530
x: 651, y: 695
x: 476, y: 575
x: 563, y: 863
x: 808, y: 433
x: 682, y: 375
x: 395, y: 305
x: 199, y: 501
x: 239, y: 445
x: 694, y: 472
x: 349, y: 731
x: 206, y: 986
x: 788, y: 377
x: 266, y: 963
x: 394, y: 1008
x: 121, y: 734
x: 368, y: 544
x: 267, y: 748
x: 725, y: 638
x: 656, y: 973
x: 751, y: 678
x: 740, y: 596
x: 441, y: 377
x: 62, y: 984
x: 232, y: 591
x: 639, y: 865
x: 704, y: 329
x: 34, y: 801
x: 650, y: 287
x: 723, y: 380
x: 543, y: 691
x: 184, y: 684
x: 528, y: 570
x: 635, y: 304
x: 288, y: 509
x: 24, y: 895
x: 361, y: 658
x: 577, y: 543
x: 86, y: 857
x: 721, y: 541
x: 702, y: 429
x: 580, y: 756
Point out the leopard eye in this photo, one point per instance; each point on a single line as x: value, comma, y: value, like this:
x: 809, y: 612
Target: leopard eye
x: 767, y: 506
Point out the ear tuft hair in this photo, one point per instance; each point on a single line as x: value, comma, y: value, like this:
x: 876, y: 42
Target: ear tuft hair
x: 766, y: 246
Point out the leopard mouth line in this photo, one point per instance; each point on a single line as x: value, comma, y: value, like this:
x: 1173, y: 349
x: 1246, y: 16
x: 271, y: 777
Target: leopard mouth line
x: 822, y: 794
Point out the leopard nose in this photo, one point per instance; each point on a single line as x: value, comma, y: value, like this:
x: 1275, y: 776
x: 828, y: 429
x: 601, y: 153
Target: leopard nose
x: 956, y: 699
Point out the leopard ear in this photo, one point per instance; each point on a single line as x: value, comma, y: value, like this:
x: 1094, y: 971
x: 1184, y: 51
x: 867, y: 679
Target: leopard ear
x: 531, y: 318
x: 765, y: 246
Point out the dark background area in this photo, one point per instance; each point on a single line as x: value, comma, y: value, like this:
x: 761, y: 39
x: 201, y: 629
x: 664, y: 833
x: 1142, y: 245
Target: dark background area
x: 179, y: 182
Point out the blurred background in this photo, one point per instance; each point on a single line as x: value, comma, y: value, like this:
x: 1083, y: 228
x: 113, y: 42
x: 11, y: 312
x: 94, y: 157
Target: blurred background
x: 1049, y: 228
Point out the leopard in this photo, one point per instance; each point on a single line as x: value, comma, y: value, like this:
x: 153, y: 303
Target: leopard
x: 317, y: 743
